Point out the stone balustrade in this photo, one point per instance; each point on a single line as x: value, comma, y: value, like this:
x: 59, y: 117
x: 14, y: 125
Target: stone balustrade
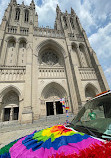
x: 42, y: 32
x: 17, y: 30
x: 47, y: 32
x: 87, y: 74
x: 74, y: 37
x: 79, y: 37
x: 24, y: 31
x: 11, y: 73
x: 12, y: 29
x: 52, y: 72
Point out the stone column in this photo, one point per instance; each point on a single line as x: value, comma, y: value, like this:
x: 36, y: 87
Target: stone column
x: 81, y: 92
x: 11, y: 114
x: 0, y: 111
x: 71, y: 86
x: 54, y: 104
x: 27, y: 110
x: 17, y: 53
x: 36, y: 103
x: 79, y: 56
x: 2, y: 114
x: 88, y: 57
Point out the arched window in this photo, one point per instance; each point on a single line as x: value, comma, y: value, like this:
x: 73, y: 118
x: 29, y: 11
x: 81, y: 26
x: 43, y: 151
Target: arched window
x: 17, y: 16
x: 26, y: 16
x: 90, y: 91
x: 22, y: 44
x: 49, y: 58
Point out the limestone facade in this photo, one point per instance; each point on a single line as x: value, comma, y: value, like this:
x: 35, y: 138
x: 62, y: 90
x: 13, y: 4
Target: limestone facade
x: 40, y: 65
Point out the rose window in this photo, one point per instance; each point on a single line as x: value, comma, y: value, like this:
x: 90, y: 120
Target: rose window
x: 49, y: 58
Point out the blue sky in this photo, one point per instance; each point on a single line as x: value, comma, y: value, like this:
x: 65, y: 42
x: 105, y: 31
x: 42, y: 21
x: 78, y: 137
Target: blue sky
x: 95, y: 17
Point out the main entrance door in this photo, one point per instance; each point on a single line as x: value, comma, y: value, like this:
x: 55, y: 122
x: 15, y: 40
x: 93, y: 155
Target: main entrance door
x: 7, y: 114
x: 16, y: 112
x: 50, y: 108
x: 59, y: 108
x: 11, y: 113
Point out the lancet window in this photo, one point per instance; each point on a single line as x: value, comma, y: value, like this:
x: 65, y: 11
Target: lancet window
x: 26, y: 16
x: 17, y: 16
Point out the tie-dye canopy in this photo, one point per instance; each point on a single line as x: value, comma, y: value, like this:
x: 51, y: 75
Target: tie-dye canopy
x: 48, y: 142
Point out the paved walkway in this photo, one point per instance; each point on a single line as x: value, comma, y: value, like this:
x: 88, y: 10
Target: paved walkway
x: 11, y: 131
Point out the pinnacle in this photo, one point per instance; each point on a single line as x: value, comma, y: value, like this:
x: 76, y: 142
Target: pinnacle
x: 66, y: 12
x: 72, y: 11
x: 57, y: 8
x: 32, y: 3
x: 13, y: 1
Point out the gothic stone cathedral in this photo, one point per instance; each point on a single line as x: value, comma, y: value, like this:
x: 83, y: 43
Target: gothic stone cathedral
x: 40, y: 65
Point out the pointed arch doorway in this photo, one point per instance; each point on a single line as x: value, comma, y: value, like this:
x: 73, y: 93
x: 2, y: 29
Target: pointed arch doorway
x: 10, y: 106
x: 51, y: 94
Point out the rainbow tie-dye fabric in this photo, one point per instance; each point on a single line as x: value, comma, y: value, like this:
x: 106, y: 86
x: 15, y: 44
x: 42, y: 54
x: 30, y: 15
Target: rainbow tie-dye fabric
x: 47, y: 142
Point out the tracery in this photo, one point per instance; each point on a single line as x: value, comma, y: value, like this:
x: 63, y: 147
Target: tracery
x: 49, y: 58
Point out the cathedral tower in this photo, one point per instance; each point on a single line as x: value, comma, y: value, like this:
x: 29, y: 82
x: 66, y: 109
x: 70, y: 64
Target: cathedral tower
x: 38, y: 66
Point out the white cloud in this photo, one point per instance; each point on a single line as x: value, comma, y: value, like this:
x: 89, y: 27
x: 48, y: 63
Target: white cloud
x: 102, y: 8
x: 108, y: 70
x: 47, y: 12
x: 101, y: 41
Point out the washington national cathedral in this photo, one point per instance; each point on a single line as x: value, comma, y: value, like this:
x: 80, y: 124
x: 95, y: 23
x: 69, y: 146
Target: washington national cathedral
x: 40, y: 65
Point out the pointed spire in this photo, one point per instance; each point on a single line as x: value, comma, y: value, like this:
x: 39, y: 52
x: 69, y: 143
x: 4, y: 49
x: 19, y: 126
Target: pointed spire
x: 32, y: 1
x: 66, y: 12
x: 57, y: 8
x: 13, y: 2
x: 32, y: 4
x: 23, y: 3
x: 72, y: 11
x: 36, y: 14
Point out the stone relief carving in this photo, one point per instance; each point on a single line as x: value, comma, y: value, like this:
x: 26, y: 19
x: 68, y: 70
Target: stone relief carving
x: 52, y: 93
x: 42, y: 81
x: 11, y: 98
